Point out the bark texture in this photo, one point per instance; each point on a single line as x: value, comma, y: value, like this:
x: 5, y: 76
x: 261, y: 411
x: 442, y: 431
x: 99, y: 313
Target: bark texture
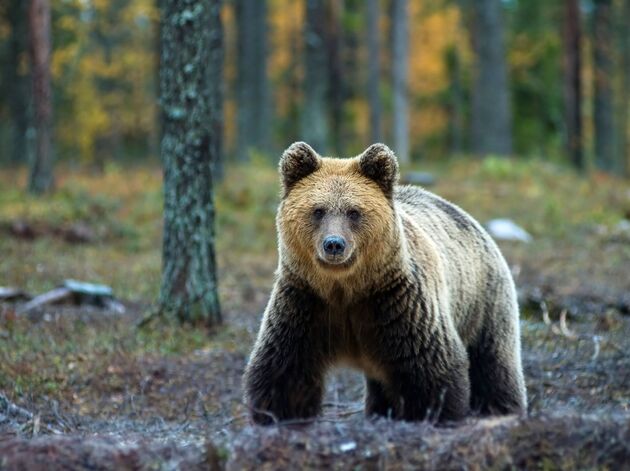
x: 338, y: 89
x: 374, y: 69
x: 624, y: 116
x: 573, y: 83
x: 455, y: 101
x: 603, y: 88
x: 17, y: 80
x: 41, y: 178
x: 400, y: 71
x: 252, y: 84
x: 190, y: 84
x: 491, y: 110
x: 314, y: 121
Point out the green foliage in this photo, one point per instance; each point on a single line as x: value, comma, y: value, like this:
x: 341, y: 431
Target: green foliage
x: 123, y: 209
x: 499, y: 168
x: 104, y: 76
x: 535, y: 62
x: 103, y: 68
x: 550, y: 200
x: 246, y: 206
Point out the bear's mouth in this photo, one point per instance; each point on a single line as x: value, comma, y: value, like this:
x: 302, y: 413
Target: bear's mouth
x: 334, y: 264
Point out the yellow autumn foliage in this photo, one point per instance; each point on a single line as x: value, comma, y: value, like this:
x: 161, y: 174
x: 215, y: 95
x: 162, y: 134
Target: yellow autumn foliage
x: 116, y: 95
x: 431, y: 34
x: 81, y: 67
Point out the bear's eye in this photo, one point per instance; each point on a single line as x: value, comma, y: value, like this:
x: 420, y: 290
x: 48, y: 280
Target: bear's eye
x: 354, y: 214
x: 318, y: 213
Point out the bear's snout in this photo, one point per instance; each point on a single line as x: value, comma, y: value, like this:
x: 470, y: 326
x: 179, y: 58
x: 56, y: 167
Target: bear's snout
x: 334, y: 245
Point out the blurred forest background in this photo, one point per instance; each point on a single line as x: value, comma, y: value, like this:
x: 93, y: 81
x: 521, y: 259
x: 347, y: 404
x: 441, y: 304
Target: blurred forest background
x: 130, y: 125
x: 528, y: 78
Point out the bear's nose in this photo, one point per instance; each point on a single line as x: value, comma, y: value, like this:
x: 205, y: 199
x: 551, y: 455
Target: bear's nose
x: 334, y: 245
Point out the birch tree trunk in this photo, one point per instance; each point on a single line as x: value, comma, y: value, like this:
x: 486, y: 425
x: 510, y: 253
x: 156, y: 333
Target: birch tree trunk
x: 41, y: 178
x: 190, y: 84
x: 400, y: 71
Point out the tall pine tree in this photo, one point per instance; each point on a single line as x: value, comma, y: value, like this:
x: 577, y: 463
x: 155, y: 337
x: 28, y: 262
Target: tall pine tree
x: 603, y: 110
x: 190, y: 81
x: 491, y: 109
x: 374, y: 69
x: 400, y: 71
x: 41, y: 178
x: 573, y: 82
x: 314, y: 122
x: 252, y: 89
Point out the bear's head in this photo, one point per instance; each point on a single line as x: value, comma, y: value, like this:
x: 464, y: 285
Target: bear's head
x: 336, y: 214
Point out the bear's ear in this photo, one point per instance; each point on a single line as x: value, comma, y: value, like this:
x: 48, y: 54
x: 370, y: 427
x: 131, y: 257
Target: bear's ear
x: 379, y: 163
x: 297, y: 162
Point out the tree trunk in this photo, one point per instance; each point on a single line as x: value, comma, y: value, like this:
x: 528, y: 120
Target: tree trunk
x: 216, y: 91
x: 400, y: 72
x: 374, y: 70
x: 603, y: 92
x: 314, y: 122
x: 252, y: 84
x: 17, y: 81
x: 455, y: 101
x: 573, y: 83
x: 106, y: 35
x: 624, y: 118
x: 337, y: 91
x: 491, y: 110
x: 291, y: 127
x: 190, y: 84
x: 41, y: 178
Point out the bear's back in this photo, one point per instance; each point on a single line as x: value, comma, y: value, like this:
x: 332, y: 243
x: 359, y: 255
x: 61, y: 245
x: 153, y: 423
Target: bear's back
x: 475, y: 269
x: 428, y: 208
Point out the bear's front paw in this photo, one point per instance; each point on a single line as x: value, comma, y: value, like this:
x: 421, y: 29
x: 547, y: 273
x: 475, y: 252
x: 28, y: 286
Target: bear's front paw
x: 260, y: 417
x: 278, y: 404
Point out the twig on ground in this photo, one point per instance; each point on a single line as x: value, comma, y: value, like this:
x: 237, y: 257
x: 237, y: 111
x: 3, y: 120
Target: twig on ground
x: 596, y: 339
x: 12, y: 409
x: 36, y: 425
x: 350, y: 412
x: 236, y: 418
x: 545, y: 312
x: 338, y: 405
x: 263, y: 412
x: 307, y: 421
x: 153, y: 315
x: 562, y: 328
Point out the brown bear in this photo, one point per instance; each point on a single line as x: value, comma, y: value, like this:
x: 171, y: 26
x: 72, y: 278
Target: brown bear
x: 394, y: 281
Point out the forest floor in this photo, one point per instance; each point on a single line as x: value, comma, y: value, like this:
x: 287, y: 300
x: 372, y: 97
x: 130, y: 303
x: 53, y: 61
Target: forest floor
x: 82, y: 388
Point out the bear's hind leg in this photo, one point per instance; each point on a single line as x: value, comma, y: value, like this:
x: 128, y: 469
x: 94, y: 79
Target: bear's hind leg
x: 434, y: 385
x: 496, y: 376
x: 377, y: 400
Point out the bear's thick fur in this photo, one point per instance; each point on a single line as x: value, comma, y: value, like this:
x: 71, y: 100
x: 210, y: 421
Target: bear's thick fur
x: 394, y: 281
